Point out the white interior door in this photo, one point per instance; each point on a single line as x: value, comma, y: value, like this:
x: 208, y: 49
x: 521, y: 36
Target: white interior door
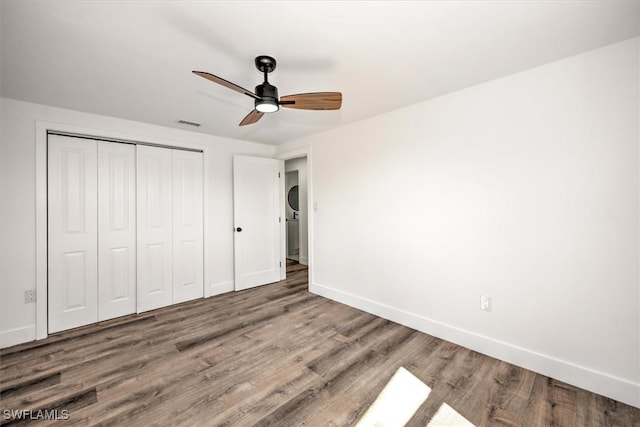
x: 188, y: 257
x: 72, y: 233
x: 257, y: 219
x: 154, y: 227
x: 116, y: 229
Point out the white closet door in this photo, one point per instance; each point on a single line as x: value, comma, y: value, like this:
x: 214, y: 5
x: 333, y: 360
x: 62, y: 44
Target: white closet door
x: 116, y: 230
x: 187, y: 226
x: 155, y: 223
x: 72, y: 232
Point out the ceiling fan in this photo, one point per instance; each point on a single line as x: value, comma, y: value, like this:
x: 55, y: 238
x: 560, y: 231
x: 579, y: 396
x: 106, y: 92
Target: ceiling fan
x: 266, y: 95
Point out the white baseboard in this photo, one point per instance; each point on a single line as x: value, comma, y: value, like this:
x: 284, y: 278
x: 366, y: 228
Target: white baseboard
x: 598, y: 382
x: 304, y: 260
x: 220, y: 288
x: 17, y: 336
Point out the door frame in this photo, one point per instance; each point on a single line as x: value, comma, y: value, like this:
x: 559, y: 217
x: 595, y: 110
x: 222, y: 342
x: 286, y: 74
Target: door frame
x: 294, y: 154
x: 42, y: 129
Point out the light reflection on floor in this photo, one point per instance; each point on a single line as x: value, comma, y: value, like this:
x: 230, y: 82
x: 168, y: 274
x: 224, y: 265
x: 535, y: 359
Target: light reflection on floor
x: 400, y: 399
x: 449, y: 417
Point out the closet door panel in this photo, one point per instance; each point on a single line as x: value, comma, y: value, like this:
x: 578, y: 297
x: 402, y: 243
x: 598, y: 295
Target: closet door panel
x: 72, y: 233
x: 116, y: 229
x: 187, y: 226
x: 154, y: 227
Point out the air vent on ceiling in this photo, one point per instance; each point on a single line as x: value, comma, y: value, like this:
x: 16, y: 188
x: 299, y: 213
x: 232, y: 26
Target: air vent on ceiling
x: 186, y: 122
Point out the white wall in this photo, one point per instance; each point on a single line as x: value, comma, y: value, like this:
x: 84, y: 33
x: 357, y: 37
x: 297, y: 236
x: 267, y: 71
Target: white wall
x: 300, y: 164
x: 526, y: 189
x: 18, y: 200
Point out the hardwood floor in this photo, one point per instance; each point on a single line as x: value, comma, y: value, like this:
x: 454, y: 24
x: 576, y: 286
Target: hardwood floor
x: 274, y: 356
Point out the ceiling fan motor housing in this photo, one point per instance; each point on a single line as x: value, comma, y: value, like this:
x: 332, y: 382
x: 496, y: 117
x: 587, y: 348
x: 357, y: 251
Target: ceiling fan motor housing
x: 268, y: 93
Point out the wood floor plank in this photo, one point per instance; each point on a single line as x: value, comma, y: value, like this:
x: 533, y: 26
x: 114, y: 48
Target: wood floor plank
x: 23, y: 387
x: 463, y: 392
x: 455, y: 383
x: 253, y: 393
x: 309, y: 403
x: 593, y: 409
x: 552, y: 403
x: 65, y: 344
x: 274, y: 355
x: 508, y: 397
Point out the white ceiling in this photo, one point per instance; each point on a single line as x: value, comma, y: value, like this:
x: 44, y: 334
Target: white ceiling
x: 133, y: 59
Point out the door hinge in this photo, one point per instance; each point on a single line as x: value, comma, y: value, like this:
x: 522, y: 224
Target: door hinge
x: 279, y: 219
x: 280, y: 264
x: 278, y: 174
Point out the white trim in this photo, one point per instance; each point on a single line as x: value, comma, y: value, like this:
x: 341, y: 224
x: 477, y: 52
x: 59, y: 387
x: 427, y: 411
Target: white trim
x: 285, y: 203
x: 283, y: 221
x: 206, y: 227
x: 638, y: 164
x: 42, y: 127
x: 220, y: 288
x: 598, y: 382
x: 41, y: 230
x: 17, y: 336
x: 294, y: 154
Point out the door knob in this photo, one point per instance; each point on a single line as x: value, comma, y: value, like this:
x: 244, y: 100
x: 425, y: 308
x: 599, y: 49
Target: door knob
x: 239, y: 229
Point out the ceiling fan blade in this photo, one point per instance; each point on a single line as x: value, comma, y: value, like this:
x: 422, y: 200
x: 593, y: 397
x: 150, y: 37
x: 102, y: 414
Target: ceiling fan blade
x: 251, y: 118
x: 313, y: 101
x: 226, y: 83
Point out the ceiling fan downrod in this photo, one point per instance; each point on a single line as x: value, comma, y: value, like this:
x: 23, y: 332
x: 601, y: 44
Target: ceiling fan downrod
x: 269, y: 93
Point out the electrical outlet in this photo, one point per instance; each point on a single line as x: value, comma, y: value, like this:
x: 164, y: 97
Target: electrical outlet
x: 485, y: 303
x: 29, y: 296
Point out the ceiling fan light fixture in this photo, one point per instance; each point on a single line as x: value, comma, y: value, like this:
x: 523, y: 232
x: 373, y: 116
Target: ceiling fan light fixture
x: 267, y: 106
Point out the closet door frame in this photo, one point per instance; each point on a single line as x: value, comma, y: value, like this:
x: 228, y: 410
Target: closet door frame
x: 43, y: 129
